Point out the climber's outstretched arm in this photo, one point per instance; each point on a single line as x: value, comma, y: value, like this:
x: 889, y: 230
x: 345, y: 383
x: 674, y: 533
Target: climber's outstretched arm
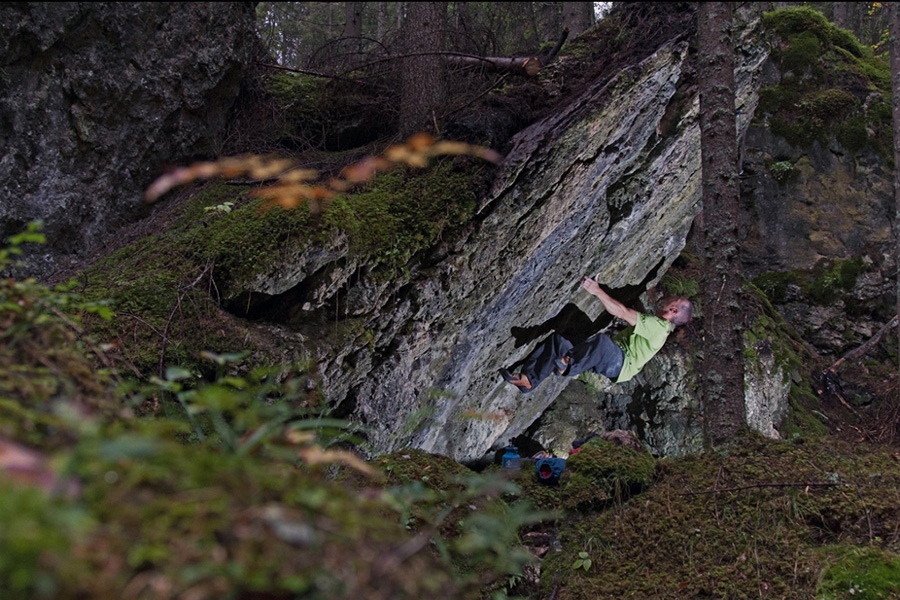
x: 612, y: 306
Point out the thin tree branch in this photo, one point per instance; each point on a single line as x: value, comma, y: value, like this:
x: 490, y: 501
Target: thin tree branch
x: 864, y: 349
x: 808, y: 484
x: 80, y: 333
x: 494, y: 86
x: 300, y: 71
x: 557, y: 47
x: 868, y: 513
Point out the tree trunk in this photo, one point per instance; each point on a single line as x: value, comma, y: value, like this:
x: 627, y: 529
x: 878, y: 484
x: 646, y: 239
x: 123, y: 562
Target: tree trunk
x: 466, y: 28
x: 381, y: 17
x: 578, y: 16
x: 894, y: 28
x: 867, y: 20
x: 353, y: 19
x: 422, y: 81
x: 723, y: 368
x: 527, y: 66
x: 549, y: 19
x: 331, y: 26
x: 522, y: 25
x: 841, y: 12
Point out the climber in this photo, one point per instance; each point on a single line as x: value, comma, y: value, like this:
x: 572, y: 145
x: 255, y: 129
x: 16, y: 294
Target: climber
x: 619, y: 359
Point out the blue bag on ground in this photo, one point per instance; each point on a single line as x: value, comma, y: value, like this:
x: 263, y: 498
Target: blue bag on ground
x: 549, y: 469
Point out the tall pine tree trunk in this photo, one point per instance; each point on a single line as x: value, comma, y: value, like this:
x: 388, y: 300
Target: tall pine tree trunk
x: 381, y: 17
x: 353, y: 25
x: 894, y: 29
x: 422, y: 80
x: 841, y: 14
x: 723, y: 365
x: 353, y: 19
x: 550, y: 20
x: 578, y: 16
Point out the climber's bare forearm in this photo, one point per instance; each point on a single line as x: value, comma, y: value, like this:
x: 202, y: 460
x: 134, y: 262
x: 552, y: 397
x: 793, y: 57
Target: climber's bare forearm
x: 612, y: 306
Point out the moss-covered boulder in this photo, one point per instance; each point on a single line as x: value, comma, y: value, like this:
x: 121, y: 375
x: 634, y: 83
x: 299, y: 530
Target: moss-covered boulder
x: 602, y: 472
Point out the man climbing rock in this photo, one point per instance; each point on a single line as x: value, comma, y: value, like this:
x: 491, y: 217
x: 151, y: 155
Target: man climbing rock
x: 619, y: 359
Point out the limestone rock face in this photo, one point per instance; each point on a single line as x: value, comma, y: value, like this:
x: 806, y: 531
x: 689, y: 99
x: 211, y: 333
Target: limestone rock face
x: 592, y: 189
x: 833, y: 206
x: 96, y: 98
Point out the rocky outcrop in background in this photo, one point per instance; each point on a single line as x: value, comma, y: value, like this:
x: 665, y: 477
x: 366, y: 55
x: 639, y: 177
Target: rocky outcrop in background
x: 97, y: 98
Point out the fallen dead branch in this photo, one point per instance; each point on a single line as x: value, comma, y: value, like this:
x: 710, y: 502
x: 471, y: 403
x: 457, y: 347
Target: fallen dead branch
x: 527, y: 66
x: 830, y: 383
x: 801, y: 484
x: 858, y: 353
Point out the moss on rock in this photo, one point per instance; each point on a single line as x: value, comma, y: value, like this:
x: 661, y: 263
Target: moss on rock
x: 823, y: 284
x: 602, y: 472
x: 828, y: 86
x: 169, y: 289
x: 768, y: 330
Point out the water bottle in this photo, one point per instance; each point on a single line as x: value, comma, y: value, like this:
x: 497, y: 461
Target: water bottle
x: 511, y: 459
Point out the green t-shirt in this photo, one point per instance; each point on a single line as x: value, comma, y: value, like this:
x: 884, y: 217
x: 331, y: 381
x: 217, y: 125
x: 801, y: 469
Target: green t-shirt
x: 641, y: 343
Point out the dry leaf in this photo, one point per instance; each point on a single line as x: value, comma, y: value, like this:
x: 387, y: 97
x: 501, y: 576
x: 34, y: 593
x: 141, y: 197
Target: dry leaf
x: 314, y: 455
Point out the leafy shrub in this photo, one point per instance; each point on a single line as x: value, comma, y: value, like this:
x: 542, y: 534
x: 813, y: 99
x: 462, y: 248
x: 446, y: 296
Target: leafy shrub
x: 679, y: 285
x: 42, y: 353
x: 219, y: 488
x: 782, y: 170
x: 36, y: 534
x: 830, y: 280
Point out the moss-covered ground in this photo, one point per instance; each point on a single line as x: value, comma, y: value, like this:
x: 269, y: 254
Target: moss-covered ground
x: 234, y: 486
x: 761, y: 519
x: 246, y: 491
x: 248, y: 494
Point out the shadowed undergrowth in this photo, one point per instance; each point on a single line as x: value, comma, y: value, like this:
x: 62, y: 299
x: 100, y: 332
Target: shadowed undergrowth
x: 236, y: 484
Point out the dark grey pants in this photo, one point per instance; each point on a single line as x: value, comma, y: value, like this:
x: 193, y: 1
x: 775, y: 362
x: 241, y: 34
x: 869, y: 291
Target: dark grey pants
x: 598, y: 354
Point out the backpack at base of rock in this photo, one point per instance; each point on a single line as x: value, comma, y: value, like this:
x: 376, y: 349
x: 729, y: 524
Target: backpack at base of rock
x: 549, y: 468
